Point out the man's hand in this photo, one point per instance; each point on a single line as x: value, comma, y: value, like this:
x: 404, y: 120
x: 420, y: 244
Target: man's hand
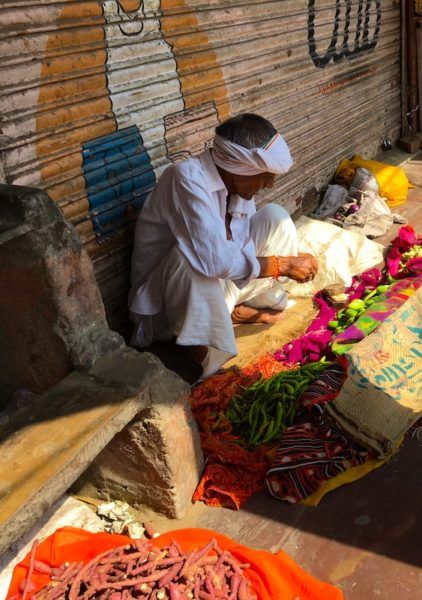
x: 302, y: 268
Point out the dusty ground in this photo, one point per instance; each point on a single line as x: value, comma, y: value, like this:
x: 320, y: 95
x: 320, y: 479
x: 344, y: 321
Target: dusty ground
x: 253, y: 339
x: 364, y: 537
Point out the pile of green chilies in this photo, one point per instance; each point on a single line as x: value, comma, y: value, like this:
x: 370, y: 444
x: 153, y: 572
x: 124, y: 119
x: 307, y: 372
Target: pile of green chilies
x: 263, y: 411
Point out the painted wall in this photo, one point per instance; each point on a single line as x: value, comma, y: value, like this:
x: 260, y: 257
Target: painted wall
x: 97, y: 97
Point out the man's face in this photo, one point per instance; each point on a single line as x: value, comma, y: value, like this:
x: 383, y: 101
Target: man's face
x: 247, y: 186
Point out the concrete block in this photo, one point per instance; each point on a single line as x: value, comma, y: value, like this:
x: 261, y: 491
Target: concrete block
x: 156, y: 461
x: 132, y: 369
x: 31, y: 207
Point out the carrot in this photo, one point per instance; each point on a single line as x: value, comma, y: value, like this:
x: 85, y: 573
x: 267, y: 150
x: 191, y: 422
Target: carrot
x: 170, y: 575
x: 243, y: 591
x: 28, y: 581
x: 234, y: 585
x: 209, y: 586
x: 141, y: 572
x: 150, y: 531
x: 42, y: 567
x: 131, y: 582
x: 74, y: 589
x: 175, y: 593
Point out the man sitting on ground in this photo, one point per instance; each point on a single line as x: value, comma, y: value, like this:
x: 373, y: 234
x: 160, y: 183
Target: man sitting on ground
x: 204, y: 257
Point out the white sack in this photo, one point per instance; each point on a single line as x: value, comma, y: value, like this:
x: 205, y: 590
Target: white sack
x: 340, y: 253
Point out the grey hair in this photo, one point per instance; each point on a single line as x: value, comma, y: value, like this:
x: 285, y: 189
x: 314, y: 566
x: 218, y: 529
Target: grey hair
x: 247, y: 129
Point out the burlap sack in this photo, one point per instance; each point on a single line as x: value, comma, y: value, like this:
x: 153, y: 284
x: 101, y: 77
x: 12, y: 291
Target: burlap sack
x: 382, y: 396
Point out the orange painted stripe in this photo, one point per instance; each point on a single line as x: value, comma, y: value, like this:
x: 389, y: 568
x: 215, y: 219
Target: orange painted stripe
x: 76, y: 74
x: 81, y: 87
x: 65, y: 189
x: 74, y: 209
x: 60, y: 40
x: 73, y: 113
x: 85, y: 229
x: 66, y: 140
x: 56, y: 167
x: 72, y: 64
x: 181, y: 44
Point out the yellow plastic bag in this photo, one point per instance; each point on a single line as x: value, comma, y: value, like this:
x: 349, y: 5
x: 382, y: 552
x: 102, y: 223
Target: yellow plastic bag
x: 392, y: 181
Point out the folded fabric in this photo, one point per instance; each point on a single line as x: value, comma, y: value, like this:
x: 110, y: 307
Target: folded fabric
x: 232, y: 474
x: 374, y: 217
x: 313, y: 344
x: 312, y: 451
x: 348, y: 476
x: 273, y: 576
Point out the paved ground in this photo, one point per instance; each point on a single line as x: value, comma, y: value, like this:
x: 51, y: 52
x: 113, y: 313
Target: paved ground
x: 364, y: 537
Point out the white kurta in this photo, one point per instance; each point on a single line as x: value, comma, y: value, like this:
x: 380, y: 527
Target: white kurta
x: 186, y: 276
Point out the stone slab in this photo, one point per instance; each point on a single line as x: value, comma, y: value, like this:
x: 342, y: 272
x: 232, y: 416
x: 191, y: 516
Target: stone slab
x: 20, y: 205
x: 53, y: 318
x: 44, y: 447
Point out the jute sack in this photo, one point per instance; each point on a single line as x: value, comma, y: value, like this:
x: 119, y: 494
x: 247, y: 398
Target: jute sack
x: 382, y: 396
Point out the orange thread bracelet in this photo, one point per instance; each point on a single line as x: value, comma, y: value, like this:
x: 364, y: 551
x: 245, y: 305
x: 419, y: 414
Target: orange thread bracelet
x: 276, y: 267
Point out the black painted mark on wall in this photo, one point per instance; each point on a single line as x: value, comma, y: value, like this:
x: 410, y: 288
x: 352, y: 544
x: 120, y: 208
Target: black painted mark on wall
x: 130, y: 13
x: 347, y: 47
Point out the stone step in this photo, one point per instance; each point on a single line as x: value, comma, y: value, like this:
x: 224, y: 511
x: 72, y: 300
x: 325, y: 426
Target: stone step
x: 49, y: 442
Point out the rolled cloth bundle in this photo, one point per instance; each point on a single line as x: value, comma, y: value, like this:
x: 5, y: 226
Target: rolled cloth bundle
x: 273, y: 158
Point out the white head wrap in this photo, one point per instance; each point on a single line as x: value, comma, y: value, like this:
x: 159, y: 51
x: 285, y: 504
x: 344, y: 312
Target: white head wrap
x: 274, y: 157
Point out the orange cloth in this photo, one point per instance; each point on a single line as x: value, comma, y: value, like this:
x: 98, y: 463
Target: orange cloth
x: 232, y: 474
x: 273, y: 576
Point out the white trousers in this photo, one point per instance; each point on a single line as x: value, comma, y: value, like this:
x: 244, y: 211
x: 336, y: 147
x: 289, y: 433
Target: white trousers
x: 197, y: 309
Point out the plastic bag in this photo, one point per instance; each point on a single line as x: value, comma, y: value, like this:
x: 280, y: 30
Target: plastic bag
x: 393, y: 182
x: 334, y: 197
x: 340, y: 254
x: 364, y: 181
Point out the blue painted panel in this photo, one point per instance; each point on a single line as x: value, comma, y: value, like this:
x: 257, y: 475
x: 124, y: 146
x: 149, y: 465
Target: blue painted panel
x: 118, y: 175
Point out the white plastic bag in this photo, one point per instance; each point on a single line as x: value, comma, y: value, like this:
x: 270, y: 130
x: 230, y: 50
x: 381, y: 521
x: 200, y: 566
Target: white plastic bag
x: 334, y: 197
x: 340, y: 253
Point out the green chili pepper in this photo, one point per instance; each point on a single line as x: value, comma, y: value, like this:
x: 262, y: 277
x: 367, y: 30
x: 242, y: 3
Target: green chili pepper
x: 289, y: 389
x: 269, y: 432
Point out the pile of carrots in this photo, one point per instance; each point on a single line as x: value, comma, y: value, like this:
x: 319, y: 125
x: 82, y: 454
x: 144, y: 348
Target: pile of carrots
x: 141, y: 571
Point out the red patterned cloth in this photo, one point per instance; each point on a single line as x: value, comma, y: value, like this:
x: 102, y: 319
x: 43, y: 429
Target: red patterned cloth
x: 312, y: 450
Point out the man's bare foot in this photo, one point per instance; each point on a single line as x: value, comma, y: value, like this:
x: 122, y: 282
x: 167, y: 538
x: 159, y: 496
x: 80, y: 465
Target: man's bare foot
x: 247, y: 314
